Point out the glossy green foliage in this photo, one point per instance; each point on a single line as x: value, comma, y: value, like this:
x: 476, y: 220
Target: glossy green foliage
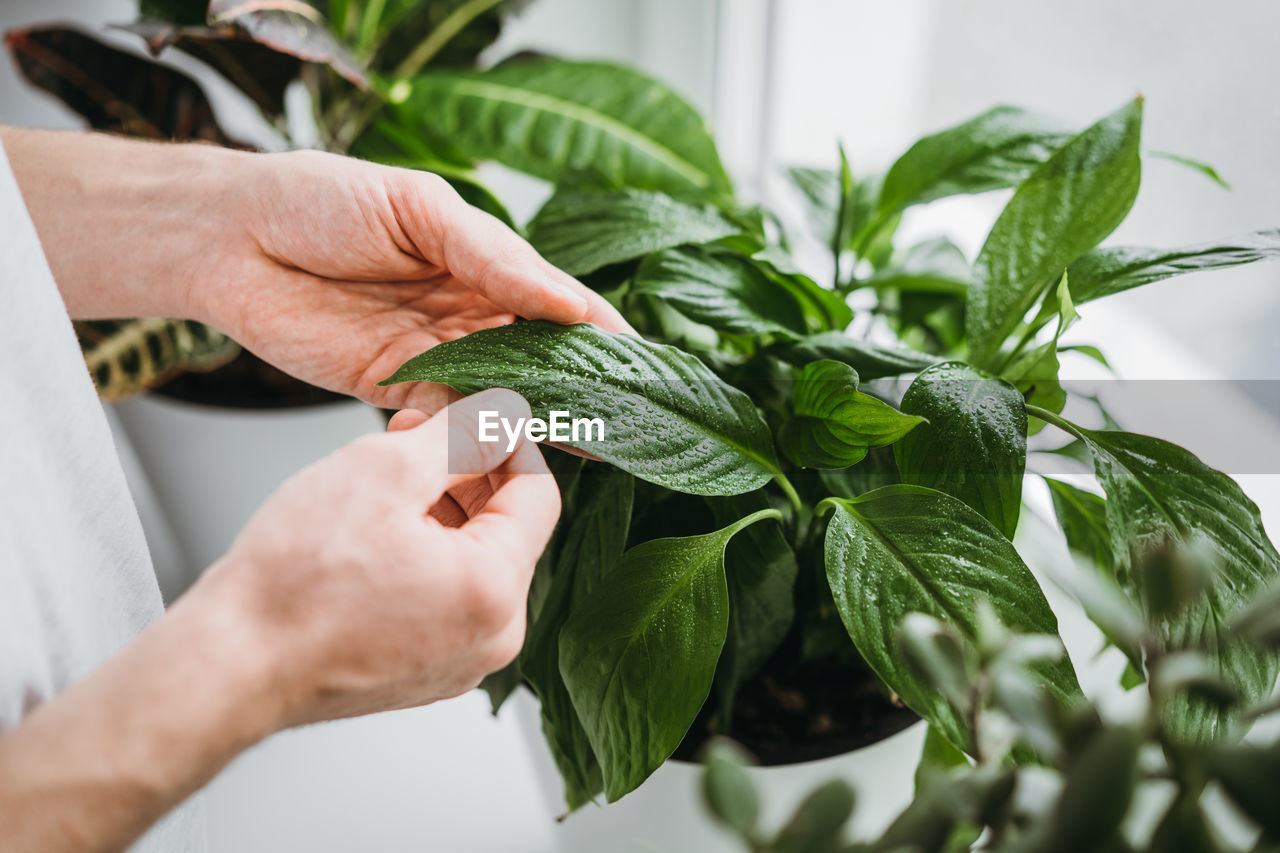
x: 551, y: 118
x: 995, y: 150
x: 1064, y: 209
x: 584, y: 230
x: 639, y: 654
x: 908, y: 549
x: 974, y: 444
x: 599, y: 505
x: 833, y: 424
x: 1115, y: 269
x: 722, y: 290
x: 668, y: 418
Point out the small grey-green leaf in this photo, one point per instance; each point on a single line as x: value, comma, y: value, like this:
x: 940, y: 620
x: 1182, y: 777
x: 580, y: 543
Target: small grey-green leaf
x: 728, y: 791
x: 818, y: 822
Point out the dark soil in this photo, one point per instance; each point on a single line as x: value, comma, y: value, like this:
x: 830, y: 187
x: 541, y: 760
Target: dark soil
x: 803, y: 714
x: 247, y: 382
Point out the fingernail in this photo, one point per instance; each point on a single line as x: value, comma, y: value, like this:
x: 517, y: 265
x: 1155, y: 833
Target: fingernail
x: 562, y: 289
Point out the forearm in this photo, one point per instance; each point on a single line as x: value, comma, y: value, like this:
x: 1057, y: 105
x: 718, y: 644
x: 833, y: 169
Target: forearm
x: 93, y: 768
x: 126, y: 225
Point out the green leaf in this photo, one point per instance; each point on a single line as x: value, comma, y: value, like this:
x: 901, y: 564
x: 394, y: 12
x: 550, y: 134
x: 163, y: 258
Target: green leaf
x: 933, y: 266
x: 1083, y: 516
x: 833, y: 424
x: 762, y: 571
x: 903, y: 549
x: 1158, y: 493
x: 1035, y: 372
x: 591, y: 544
x: 824, y: 309
x: 832, y: 200
x: 668, y: 419
x: 639, y: 654
x: 1111, y: 270
x: 871, y: 361
x: 552, y: 118
x: 974, y: 446
x: 1194, y: 165
x: 501, y: 684
x: 727, y: 790
x: 583, y: 230
x: 1064, y: 209
x: 721, y: 290
x: 997, y: 149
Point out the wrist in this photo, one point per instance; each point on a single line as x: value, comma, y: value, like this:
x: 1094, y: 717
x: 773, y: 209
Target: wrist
x: 113, y: 753
x: 129, y: 228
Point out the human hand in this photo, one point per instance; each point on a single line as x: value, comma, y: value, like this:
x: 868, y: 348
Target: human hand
x: 340, y: 270
x: 361, y: 599
x: 333, y: 269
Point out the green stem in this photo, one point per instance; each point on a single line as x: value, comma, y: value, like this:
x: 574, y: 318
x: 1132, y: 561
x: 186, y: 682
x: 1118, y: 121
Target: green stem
x: 442, y: 35
x: 789, y: 490
x: 1061, y: 423
x: 426, y: 50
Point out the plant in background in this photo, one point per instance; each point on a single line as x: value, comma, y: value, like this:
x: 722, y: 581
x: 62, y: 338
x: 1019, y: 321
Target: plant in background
x: 341, y: 56
x: 781, y: 481
x: 1124, y: 783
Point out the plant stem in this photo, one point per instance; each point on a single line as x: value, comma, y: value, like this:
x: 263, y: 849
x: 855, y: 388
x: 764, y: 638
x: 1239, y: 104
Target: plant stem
x: 1050, y: 418
x: 790, y: 491
x: 414, y: 62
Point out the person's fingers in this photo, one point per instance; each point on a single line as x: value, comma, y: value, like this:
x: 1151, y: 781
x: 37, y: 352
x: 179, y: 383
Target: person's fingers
x: 451, y: 448
x: 481, y: 251
x: 448, y: 512
x: 463, y: 500
x: 407, y: 419
x: 472, y: 495
x: 599, y: 311
x: 522, y: 512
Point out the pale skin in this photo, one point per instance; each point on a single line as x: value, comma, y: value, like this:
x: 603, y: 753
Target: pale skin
x: 376, y: 578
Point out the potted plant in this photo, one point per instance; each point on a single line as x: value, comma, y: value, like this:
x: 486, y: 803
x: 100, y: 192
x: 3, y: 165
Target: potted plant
x: 1104, y: 781
x: 218, y: 416
x: 782, y: 481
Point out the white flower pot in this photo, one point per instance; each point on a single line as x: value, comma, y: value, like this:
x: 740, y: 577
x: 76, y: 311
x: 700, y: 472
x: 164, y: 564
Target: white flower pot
x: 211, y: 467
x: 666, y: 813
